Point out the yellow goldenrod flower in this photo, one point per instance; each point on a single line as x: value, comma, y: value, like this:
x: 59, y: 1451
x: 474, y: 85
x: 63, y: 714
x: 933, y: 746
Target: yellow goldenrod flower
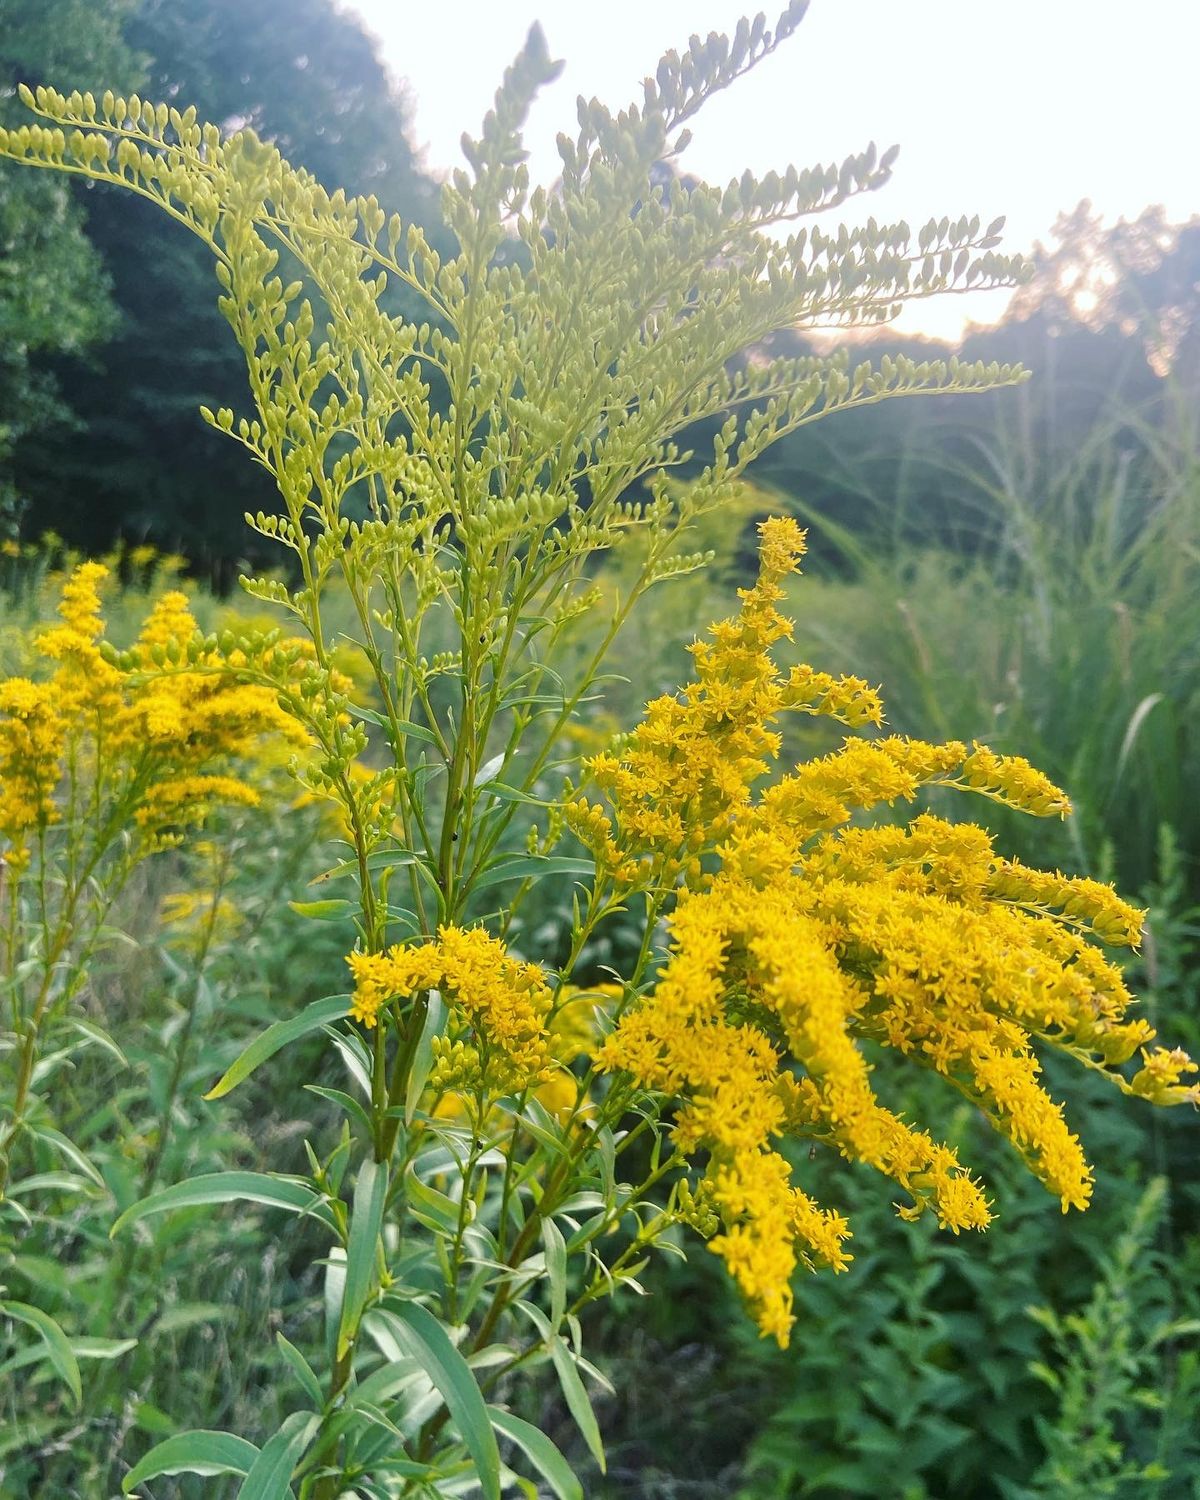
x: 31, y: 736
x: 497, y: 1042
x: 1159, y: 1079
x: 813, y: 937
x: 169, y: 730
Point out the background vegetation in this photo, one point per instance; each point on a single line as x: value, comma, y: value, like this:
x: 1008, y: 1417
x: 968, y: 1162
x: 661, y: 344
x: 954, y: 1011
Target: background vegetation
x: 1024, y: 569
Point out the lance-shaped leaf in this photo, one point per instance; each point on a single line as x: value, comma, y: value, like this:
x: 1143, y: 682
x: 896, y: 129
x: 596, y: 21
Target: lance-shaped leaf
x: 366, y: 1220
x: 425, y: 1339
x: 556, y: 1269
x: 302, y: 1370
x: 198, y: 1452
x: 58, y: 1346
x: 270, y: 1475
x: 541, y: 1452
x: 525, y: 866
x: 290, y: 1193
x: 578, y: 1402
x: 268, y: 1042
x: 436, y: 1015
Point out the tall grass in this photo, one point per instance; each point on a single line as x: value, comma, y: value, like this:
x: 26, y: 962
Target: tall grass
x: 1071, y: 634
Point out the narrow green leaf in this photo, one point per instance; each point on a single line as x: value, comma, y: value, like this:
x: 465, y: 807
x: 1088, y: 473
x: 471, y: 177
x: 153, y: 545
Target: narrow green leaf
x: 332, y: 909
x: 291, y: 1193
x: 68, y: 1148
x: 426, y: 1340
x: 98, y: 1035
x: 490, y: 769
x: 102, y: 1348
x: 81, y: 1348
x: 354, y: 1055
x: 504, y: 793
x: 537, y: 1317
x: 58, y: 1346
x: 578, y: 1402
x: 412, y: 731
x: 520, y: 866
x: 181, y: 1315
x: 51, y: 1182
x: 1133, y: 729
x: 435, y: 1208
x: 368, y: 715
x: 1179, y: 1329
x: 152, y: 1419
x: 343, y: 1101
x: 49, y: 1064
x: 543, y: 1127
x: 198, y: 1452
x: 270, y: 1475
x: 436, y: 1015
x: 14, y: 1210
x: 541, y: 1452
x: 381, y: 1386
x: 366, y: 1220
x: 400, y: 917
x: 380, y: 859
x: 556, y: 1269
x: 268, y: 1042
x: 302, y: 1370
x: 334, y: 1290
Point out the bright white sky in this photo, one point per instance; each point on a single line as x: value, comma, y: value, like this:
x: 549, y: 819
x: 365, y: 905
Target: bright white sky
x: 1021, y: 108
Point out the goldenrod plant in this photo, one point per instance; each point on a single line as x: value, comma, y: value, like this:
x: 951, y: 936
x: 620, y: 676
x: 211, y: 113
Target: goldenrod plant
x: 106, y: 761
x: 523, y: 1130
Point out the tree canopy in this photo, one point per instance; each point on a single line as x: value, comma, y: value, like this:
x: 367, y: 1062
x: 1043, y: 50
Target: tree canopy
x: 125, y: 326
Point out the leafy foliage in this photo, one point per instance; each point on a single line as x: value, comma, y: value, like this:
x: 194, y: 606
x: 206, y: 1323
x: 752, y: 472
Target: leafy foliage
x: 53, y: 288
x: 485, y: 1165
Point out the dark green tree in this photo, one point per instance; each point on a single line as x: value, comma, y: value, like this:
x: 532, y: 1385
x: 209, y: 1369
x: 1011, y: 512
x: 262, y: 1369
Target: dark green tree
x: 54, y: 291
x: 302, y: 74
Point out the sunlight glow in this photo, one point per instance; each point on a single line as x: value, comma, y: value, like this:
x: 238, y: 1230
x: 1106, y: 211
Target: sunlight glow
x: 1022, y: 110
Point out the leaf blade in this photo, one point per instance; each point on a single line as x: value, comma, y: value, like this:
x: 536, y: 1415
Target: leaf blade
x: 200, y: 1451
x: 540, y: 1451
x: 578, y: 1402
x: 428, y: 1343
x: 270, y: 1475
x: 278, y: 1035
x: 530, y: 866
x: 303, y: 1371
x: 272, y: 1191
x: 366, y: 1220
x: 436, y: 1015
x: 58, y: 1346
x: 555, y: 1248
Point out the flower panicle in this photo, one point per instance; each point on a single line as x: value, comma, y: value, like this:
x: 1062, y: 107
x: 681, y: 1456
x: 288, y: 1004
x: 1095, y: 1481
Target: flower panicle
x: 163, y: 734
x: 807, y: 938
x: 498, y: 1041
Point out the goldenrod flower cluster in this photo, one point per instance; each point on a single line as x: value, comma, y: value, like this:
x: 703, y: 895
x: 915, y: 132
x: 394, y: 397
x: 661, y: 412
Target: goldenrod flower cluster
x: 685, y: 772
x: 813, y: 936
x: 497, y: 1042
x: 163, y: 732
x: 31, y: 737
x: 573, y: 1028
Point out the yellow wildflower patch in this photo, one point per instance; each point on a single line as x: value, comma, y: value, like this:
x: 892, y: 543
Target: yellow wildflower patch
x: 812, y: 937
x: 165, y: 733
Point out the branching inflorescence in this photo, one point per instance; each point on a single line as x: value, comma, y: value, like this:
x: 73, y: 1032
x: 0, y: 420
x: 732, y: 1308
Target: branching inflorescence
x: 453, y: 482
